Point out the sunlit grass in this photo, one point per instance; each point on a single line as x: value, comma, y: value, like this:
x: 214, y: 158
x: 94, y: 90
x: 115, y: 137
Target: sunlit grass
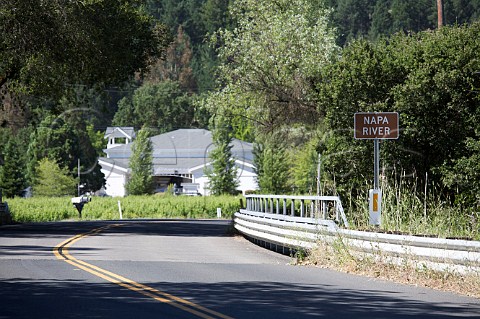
x: 42, y: 209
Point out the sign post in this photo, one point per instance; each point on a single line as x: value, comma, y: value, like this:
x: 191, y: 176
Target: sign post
x: 377, y: 126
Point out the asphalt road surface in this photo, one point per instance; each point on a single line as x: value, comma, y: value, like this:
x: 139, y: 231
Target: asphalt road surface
x: 187, y: 269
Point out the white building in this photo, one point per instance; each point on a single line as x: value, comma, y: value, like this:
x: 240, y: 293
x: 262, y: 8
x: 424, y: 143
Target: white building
x: 179, y: 157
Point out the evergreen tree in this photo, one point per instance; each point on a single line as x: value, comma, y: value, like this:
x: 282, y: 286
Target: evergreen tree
x: 223, y: 174
x: 141, y: 165
x: 272, y: 168
x: 12, y: 172
x: 382, y: 23
x: 175, y: 66
x: 52, y: 180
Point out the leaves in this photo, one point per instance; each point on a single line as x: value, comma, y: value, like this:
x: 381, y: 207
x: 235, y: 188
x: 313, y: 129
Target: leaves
x: 270, y: 58
x: 53, y: 181
x: 222, y: 176
x: 140, y: 181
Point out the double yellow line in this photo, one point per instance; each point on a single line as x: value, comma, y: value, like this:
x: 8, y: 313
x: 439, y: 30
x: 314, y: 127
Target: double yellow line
x: 61, y: 252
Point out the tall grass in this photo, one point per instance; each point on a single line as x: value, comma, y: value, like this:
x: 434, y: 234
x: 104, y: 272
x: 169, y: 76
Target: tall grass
x: 42, y: 209
x: 411, y: 208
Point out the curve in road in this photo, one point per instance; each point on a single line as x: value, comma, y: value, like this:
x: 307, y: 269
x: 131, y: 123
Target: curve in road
x: 61, y: 252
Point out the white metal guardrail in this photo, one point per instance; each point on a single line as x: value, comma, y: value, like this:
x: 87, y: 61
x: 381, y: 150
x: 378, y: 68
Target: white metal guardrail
x: 301, y: 222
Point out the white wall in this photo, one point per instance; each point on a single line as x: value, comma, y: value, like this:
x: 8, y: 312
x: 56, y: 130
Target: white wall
x: 115, y: 184
x: 245, y: 175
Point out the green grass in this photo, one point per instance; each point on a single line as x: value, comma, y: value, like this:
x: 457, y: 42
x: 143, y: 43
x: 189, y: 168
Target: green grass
x: 43, y: 209
x: 409, y: 210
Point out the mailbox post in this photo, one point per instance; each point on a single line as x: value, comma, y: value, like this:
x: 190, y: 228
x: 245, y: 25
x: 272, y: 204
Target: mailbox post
x: 376, y: 126
x: 79, y: 202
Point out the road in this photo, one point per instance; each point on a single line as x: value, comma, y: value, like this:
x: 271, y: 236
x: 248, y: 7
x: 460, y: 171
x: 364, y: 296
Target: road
x: 187, y: 269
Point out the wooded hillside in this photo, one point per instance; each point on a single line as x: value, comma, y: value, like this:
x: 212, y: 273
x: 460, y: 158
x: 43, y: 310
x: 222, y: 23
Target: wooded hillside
x: 287, y: 75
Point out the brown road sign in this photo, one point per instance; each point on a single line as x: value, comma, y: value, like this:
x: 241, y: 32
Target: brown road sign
x: 376, y: 125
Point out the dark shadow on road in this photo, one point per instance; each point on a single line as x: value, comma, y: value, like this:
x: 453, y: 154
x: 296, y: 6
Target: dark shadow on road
x: 265, y: 300
x: 164, y: 227
x: 23, y: 298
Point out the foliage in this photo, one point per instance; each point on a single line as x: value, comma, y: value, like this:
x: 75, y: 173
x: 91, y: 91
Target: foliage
x: 140, y: 181
x: 100, y: 41
x: 66, y: 139
x: 176, y: 65
x: 43, y: 209
x: 464, y: 175
x: 427, y: 78
x: 52, y: 180
x: 304, y: 167
x: 373, y: 19
x: 163, y: 106
x: 272, y: 168
x: 222, y: 176
x: 269, y: 60
x: 12, y: 176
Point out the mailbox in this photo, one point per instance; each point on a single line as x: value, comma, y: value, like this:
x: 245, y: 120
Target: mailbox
x: 79, y: 202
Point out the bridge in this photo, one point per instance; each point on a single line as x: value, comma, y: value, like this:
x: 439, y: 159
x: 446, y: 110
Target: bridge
x: 288, y: 223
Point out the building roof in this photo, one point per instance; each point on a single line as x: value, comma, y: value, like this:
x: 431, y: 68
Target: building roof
x: 179, y: 152
x: 120, y: 131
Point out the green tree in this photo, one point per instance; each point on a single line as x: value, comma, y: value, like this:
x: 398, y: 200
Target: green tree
x: 12, y: 172
x: 140, y: 181
x: 425, y: 77
x: 352, y: 18
x: 304, y: 167
x: 382, y: 20
x: 65, y: 139
x: 270, y: 60
x: 272, y: 169
x: 162, y: 106
x: 222, y: 177
x: 100, y: 41
x: 52, y: 180
x: 465, y: 175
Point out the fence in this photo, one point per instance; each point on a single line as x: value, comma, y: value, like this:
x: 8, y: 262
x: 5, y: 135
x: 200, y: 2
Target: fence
x: 292, y: 222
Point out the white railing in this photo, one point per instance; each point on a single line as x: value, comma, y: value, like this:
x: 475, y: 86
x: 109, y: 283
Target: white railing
x: 294, y: 222
x: 297, y: 208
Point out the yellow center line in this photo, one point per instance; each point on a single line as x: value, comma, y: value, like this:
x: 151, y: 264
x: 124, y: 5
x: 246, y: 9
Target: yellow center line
x: 62, y: 253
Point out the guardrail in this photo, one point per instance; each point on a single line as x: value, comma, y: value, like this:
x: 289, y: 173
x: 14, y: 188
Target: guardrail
x: 293, y: 222
x: 304, y: 207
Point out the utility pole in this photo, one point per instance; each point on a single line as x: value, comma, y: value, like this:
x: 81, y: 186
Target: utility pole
x: 78, y: 172
x: 440, y: 13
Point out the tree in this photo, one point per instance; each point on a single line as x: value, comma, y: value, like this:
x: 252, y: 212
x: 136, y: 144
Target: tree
x: 465, y: 175
x: 162, y: 106
x: 52, y: 180
x: 353, y: 19
x: 304, y: 167
x: 428, y: 78
x: 65, y: 139
x: 176, y: 65
x: 140, y: 181
x: 88, y: 42
x: 222, y: 177
x: 271, y: 60
x: 272, y: 168
x: 12, y: 172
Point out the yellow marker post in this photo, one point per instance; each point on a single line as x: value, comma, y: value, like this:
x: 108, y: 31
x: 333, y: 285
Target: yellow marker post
x: 375, y: 206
